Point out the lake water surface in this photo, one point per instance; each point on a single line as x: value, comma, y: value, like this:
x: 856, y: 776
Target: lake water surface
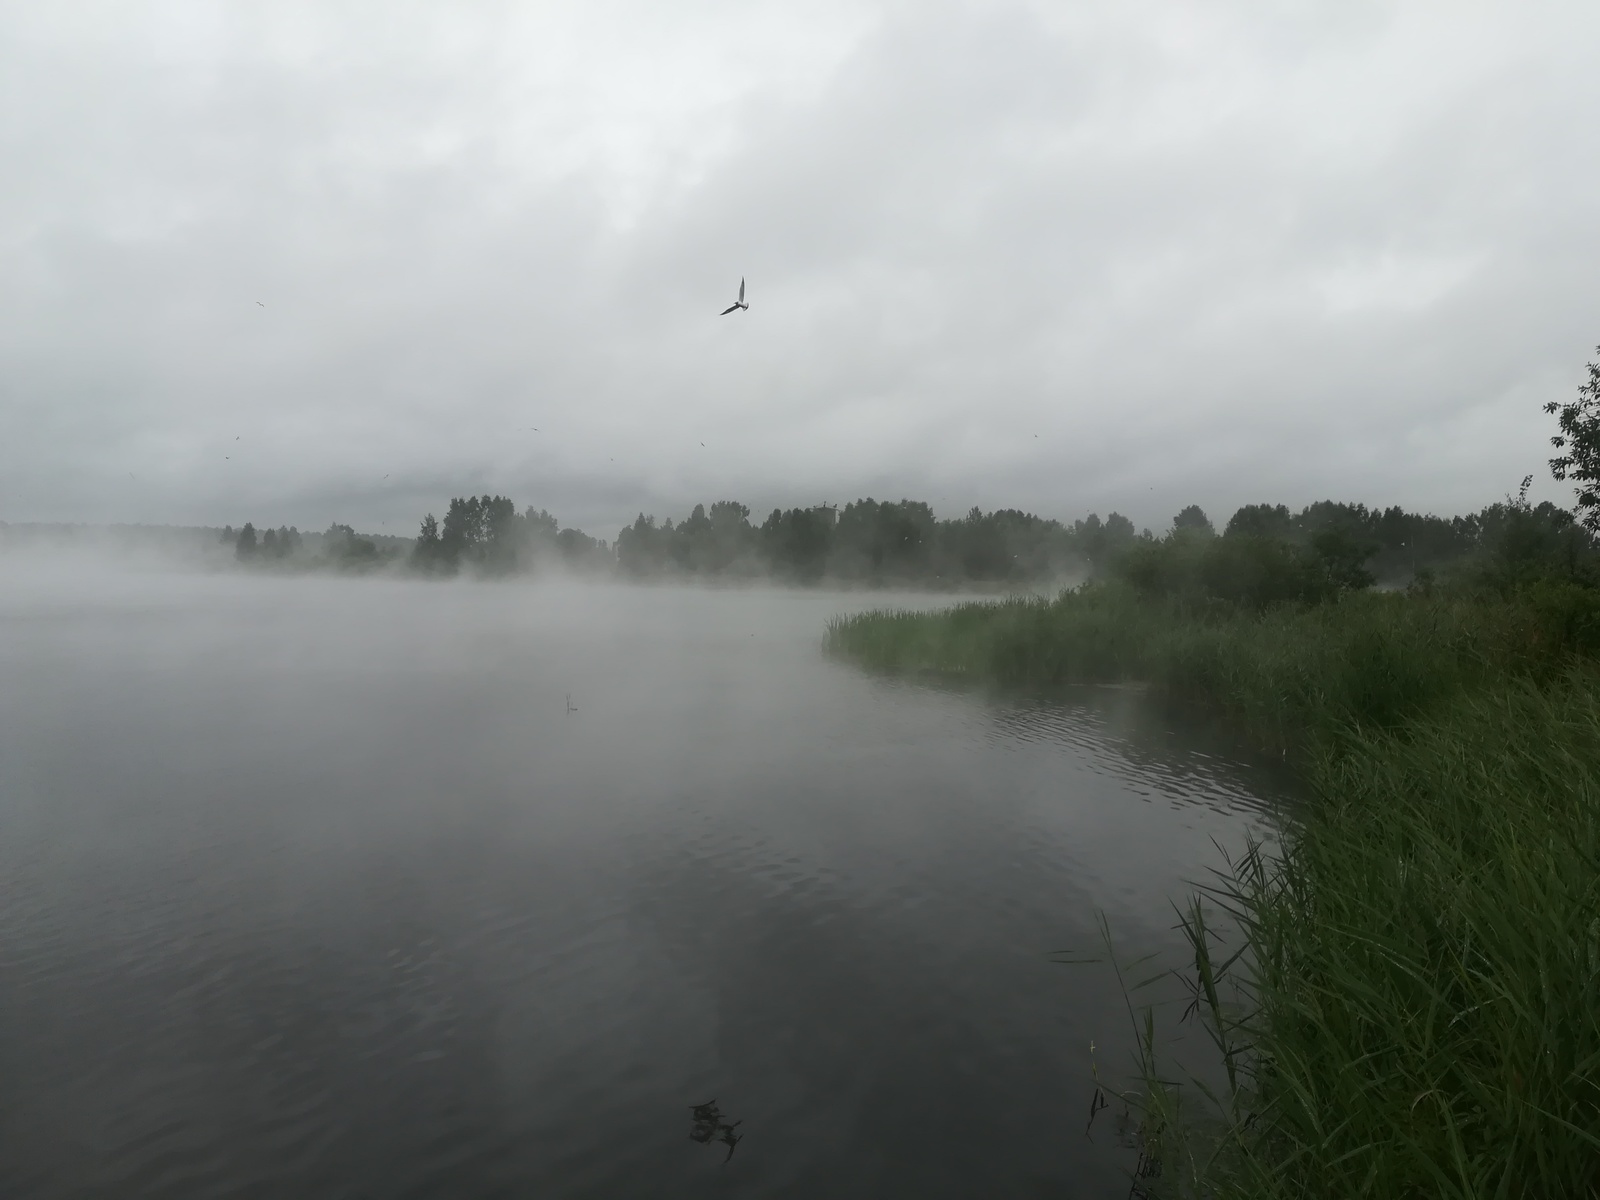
x: 316, y: 888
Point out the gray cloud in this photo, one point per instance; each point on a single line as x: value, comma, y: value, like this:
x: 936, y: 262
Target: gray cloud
x: 1061, y: 257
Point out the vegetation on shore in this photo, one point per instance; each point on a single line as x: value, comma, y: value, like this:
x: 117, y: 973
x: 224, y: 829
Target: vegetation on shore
x: 1268, y: 554
x: 1410, y: 1005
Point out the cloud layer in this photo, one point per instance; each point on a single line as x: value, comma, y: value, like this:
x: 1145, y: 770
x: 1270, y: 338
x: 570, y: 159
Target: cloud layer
x: 314, y: 262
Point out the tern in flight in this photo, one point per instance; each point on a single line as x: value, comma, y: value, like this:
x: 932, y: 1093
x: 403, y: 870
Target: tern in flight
x: 739, y: 303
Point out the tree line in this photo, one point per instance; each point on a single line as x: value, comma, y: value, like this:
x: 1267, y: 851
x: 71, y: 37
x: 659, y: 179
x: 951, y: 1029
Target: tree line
x: 1263, y: 553
x: 1267, y: 555
x: 486, y: 535
x: 869, y: 541
x: 1263, y: 549
x: 340, y: 547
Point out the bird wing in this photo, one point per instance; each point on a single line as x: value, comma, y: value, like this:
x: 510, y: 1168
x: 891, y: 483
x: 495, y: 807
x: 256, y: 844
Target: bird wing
x: 741, y: 289
x: 727, y: 310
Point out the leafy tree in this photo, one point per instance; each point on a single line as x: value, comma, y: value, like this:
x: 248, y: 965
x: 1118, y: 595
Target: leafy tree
x: 1193, y: 519
x: 876, y: 540
x: 1260, y: 572
x: 1521, y: 541
x: 427, y: 554
x: 796, y: 543
x: 1261, y: 520
x: 1103, y: 542
x: 344, y: 548
x: 642, y: 547
x: 732, y: 539
x: 1579, y: 440
x: 462, y: 531
x: 1343, y: 558
x: 577, y: 547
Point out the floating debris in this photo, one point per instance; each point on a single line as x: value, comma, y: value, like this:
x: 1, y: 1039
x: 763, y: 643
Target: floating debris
x: 710, y: 1127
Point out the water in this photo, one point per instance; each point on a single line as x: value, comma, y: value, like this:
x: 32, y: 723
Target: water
x: 316, y: 888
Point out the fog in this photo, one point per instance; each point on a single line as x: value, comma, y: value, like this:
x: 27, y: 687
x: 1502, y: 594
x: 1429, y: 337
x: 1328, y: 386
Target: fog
x: 322, y: 885
x: 349, y: 851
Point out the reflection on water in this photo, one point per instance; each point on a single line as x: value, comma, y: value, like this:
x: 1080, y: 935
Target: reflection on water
x: 709, y: 1126
x: 323, y: 888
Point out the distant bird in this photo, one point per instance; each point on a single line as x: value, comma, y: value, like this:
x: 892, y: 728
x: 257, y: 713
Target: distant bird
x: 262, y: 305
x: 739, y: 303
x: 702, y: 444
x: 386, y: 477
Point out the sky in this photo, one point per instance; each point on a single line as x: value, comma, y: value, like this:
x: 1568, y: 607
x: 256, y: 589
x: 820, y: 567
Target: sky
x: 311, y: 262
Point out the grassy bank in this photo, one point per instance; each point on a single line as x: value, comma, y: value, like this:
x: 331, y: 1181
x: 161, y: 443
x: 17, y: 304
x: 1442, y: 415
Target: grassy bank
x: 1421, y: 992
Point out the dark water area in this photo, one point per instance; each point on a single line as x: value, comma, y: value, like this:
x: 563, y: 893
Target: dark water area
x: 317, y: 888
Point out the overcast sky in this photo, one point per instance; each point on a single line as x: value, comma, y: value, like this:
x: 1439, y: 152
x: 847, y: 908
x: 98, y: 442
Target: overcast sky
x: 297, y: 263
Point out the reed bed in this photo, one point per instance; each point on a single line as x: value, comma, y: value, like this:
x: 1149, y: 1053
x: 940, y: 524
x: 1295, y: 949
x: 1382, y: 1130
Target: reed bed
x: 1415, y: 1008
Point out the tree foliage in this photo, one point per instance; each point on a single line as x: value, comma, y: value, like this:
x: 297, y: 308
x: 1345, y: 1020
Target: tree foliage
x: 487, y: 536
x: 1579, y: 441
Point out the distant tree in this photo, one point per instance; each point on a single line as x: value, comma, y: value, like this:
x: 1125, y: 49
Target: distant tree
x: 462, y: 531
x: 642, y: 547
x: 245, y: 547
x: 1354, y: 520
x: 1579, y: 440
x: 1194, y: 520
x: 1261, y: 520
x: 269, y: 544
x: 579, y: 549
x: 976, y: 547
x: 228, y: 535
x: 796, y: 543
x: 502, y: 539
x: 1103, y: 542
x: 343, y: 548
x: 1259, y: 572
x: 1343, y: 558
x: 887, y: 540
x: 1524, y: 541
x: 732, y: 539
x: 427, y: 552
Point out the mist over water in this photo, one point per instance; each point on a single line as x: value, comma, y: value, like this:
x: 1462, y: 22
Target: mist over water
x: 316, y: 887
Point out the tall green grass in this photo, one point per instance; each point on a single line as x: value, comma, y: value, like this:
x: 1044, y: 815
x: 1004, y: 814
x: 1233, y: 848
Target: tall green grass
x: 1426, y: 968
x: 1415, y: 1007
x: 1285, y: 678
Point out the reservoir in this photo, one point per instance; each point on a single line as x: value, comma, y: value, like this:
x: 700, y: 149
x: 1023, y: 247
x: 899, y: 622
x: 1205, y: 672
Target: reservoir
x: 354, y: 888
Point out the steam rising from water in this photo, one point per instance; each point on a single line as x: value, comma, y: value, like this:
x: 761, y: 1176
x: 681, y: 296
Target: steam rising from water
x: 316, y: 886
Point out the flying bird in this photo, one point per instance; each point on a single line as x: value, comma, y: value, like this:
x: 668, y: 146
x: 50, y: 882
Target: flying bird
x: 739, y: 303
x: 262, y: 305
